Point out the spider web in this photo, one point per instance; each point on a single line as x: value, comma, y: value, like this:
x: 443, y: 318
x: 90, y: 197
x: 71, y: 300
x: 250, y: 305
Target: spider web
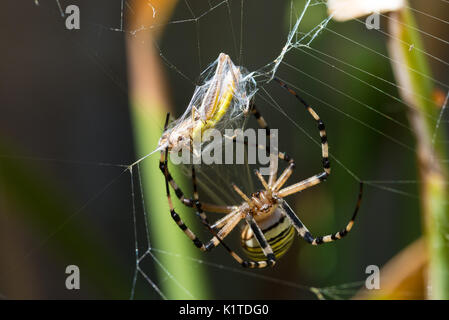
x: 320, y: 60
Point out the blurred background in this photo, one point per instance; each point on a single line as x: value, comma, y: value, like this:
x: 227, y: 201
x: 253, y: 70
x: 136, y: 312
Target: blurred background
x: 78, y: 106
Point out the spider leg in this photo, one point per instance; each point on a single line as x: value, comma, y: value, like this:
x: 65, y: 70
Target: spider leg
x: 324, y: 147
x: 218, y: 238
x: 221, y: 222
x: 276, y: 184
x: 234, y: 219
x: 307, y: 236
x: 229, y: 222
x: 264, y: 125
x: 175, y: 216
x: 163, y: 166
x: 164, y: 169
x: 266, y: 248
x: 264, y: 245
x: 262, y: 180
x: 285, y: 174
x: 282, y: 156
x: 198, y: 205
x: 302, y: 185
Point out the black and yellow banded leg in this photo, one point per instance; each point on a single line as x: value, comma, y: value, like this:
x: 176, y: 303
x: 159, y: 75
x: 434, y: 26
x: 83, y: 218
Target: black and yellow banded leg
x: 196, y: 198
x: 200, y: 213
x: 217, y: 239
x: 264, y: 245
x: 264, y: 125
x: 163, y: 166
x: 266, y: 248
x: 277, y: 184
x: 307, y: 236
x: 281, y: 155
x: 321, y: 128
x: 189, y: 202
x: 231, y: 222
x: 302, y: 185
x: 175, y: 216
x: 286, y: 173
x: 164, y: 169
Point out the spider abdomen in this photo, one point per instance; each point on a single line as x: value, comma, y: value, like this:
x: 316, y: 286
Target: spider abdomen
x: 279, y: 235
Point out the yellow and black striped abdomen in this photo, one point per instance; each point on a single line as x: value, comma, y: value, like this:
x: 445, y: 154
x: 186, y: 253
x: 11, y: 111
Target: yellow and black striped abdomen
x: 279, y: 235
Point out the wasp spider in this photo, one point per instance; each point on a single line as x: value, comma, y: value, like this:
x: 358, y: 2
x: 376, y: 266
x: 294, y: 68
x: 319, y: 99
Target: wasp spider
x: 270, y: 222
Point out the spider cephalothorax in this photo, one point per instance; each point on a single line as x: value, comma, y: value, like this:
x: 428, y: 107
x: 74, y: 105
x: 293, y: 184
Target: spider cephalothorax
x: 263, y: 204
x: 272, y: 220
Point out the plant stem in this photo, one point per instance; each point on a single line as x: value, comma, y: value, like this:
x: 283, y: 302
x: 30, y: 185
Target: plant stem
x: 177, y: 278
x: 184, y: 280
x: 409, y: 65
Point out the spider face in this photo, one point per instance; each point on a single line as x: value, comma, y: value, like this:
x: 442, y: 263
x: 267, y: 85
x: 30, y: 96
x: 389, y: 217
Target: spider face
x: 264, y: 204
